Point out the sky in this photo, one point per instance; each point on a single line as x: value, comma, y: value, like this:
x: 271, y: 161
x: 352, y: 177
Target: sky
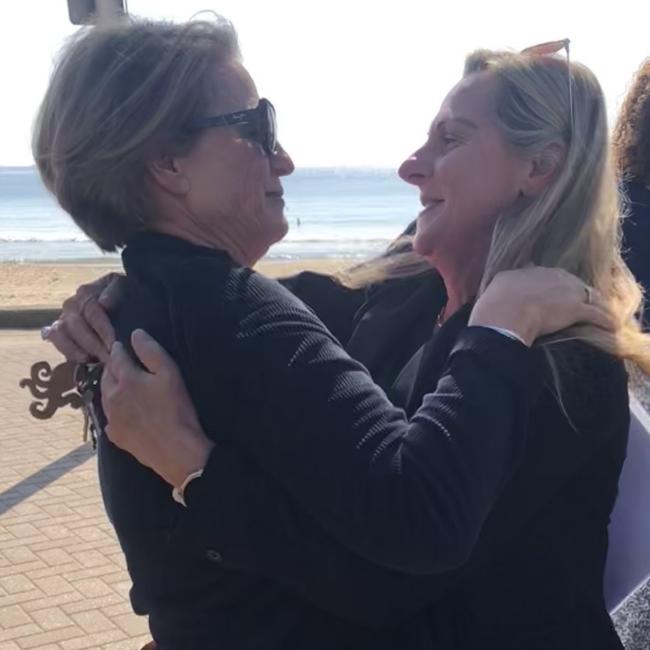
x: 354, y: 82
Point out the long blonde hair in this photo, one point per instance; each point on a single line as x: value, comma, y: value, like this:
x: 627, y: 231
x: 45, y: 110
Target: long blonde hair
x: 574, y: 223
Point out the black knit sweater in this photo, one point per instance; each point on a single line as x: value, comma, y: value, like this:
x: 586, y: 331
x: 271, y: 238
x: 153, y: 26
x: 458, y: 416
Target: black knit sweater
x: 275, y: 389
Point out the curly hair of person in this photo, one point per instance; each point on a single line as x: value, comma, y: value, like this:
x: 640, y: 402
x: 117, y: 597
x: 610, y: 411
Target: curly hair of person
x: 631, y: 136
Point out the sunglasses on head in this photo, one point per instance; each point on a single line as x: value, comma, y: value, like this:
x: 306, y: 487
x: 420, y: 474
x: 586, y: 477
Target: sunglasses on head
x: 548, y: 49
x: 256, y: 124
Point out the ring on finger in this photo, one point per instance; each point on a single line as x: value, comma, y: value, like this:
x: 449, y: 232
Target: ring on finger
x: 47, y: 330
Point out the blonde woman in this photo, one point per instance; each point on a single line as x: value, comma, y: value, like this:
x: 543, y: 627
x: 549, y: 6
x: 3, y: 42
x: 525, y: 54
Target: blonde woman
x: 514, y: 172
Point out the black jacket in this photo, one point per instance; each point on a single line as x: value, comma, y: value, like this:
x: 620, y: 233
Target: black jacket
x: 636, y: 236
x: 534, y: 580
x: 300, y: 426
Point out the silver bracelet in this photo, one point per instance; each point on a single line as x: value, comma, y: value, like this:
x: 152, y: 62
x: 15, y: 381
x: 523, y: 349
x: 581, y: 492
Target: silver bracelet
x: 178, y: 493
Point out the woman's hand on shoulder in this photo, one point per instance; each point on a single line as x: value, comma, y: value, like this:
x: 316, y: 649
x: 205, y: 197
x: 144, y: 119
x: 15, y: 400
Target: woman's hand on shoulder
x: 150, y: 413
x: 83, y: 331
x: 538, y: 301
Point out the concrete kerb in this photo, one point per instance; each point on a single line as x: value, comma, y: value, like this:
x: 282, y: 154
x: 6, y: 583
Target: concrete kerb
x: 27, y: 318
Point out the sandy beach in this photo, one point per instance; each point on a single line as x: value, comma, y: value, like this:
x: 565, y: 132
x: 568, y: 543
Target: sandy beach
x: 49, y: 284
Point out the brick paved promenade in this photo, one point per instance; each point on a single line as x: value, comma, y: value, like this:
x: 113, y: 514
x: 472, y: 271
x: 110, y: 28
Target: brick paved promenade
x: 62, y: 578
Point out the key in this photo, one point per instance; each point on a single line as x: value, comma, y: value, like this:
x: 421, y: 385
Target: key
x: 86, y: 424
x: 87, y: 398
x: 92, y: 423
x: 87, y: 378
x: 95, y: 424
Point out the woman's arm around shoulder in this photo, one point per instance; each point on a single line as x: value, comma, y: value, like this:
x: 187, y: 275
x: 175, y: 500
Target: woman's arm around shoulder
x: 335, y: 304
x: 313, y: 418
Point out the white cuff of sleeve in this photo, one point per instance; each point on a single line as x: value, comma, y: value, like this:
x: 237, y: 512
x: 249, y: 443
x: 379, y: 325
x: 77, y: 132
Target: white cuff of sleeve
x: 505, y: 332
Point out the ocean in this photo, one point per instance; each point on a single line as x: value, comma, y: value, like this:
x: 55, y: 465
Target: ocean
x: 332, y: 213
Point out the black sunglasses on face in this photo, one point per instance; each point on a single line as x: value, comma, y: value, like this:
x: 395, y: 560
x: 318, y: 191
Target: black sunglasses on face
x: 256, y: 124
